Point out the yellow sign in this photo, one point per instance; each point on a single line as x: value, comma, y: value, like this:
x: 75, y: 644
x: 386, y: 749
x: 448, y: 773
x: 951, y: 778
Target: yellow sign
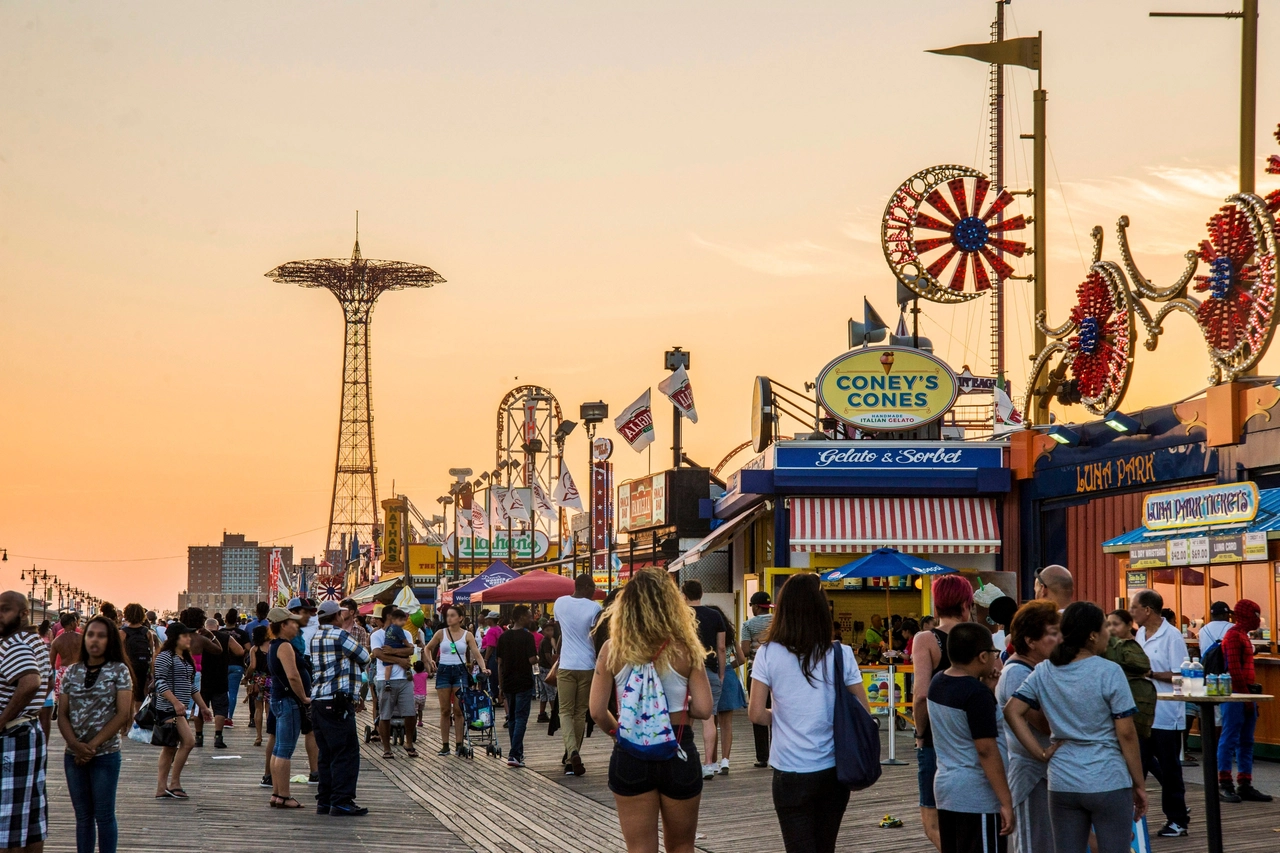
x: 887, y: 388
x: 394, y: 534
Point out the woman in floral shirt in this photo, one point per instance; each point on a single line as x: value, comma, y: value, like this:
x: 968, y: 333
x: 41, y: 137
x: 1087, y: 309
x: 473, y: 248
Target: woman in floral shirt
x: 95, y: 705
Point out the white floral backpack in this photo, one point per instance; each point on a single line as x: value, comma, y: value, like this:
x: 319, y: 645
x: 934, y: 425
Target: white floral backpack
x: 644, y: 720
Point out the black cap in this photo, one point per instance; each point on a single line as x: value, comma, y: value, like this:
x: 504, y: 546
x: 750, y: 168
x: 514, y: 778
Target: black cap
x: 761, y: 599
x: 1220, y: 608
x: 1002, y: 609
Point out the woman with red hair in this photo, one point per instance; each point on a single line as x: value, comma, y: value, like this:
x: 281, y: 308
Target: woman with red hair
x: 952, y: 604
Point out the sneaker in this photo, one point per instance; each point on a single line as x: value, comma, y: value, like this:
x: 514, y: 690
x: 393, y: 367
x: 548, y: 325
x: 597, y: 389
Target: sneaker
x: 514, y: 762
x: 1172, y: 830
x: 266, y: 782
x: 218, y: 742
x: 229, y: 724
x: 313, y: 779
x: 322, y: 809
x: 444, y: 750
x: 724, y: 767
x: 349, y: 810
x: 543, y: 718
x: 760, y: 764
x: 575, y: 761
x: 1227, y: 793
x: 709, y: 771
x: 1253, y: 795
x: 200, y: 739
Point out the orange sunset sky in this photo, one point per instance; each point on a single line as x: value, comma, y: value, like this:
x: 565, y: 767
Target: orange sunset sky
x: 597, y: 182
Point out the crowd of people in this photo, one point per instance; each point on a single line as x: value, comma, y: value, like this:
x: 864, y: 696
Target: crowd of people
x: 1039, y: 725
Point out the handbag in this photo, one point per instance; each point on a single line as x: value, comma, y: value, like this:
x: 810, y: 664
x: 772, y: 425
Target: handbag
x: 552, y: 674
x: 856, y: 735
x: 146, y: 716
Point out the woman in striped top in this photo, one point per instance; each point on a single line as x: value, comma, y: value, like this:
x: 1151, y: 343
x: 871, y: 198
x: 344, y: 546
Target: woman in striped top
x: 174, y: 682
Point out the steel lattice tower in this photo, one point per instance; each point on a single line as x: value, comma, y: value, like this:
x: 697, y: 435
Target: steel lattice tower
x: 357, y: 283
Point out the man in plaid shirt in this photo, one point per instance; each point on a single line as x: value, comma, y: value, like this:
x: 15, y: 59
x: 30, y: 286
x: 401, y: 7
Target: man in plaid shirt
x: 1239, y: 718
x: 337, y: 658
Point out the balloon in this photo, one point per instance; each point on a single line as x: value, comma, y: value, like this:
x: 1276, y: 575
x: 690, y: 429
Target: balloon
x: 417, y: 618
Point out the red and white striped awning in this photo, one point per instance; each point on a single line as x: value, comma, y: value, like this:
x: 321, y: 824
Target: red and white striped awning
x: 916, y: 525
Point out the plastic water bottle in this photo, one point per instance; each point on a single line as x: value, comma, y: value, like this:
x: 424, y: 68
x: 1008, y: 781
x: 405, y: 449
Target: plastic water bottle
x: 1197, y: 677
x: 1182, y: 677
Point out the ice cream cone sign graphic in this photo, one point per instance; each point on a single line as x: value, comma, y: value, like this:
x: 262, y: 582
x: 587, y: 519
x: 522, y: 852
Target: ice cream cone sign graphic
x: 886, y: 361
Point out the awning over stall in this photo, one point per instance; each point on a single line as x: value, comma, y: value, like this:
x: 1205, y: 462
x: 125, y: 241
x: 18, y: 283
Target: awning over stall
x: 918, y: 525
x: 720, y: 536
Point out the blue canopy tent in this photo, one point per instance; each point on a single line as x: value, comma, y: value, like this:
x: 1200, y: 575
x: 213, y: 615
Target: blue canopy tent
x: 498, y: 573
x: 887, y: 563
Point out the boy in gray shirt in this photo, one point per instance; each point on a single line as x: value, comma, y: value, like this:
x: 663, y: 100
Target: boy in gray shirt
x: 975, y: 809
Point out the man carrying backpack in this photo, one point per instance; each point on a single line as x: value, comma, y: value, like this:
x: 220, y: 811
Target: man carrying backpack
x: 1239, y: 718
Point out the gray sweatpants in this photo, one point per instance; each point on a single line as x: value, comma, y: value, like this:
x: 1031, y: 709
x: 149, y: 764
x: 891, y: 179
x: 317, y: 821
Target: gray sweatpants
x: 1033, y: 832
x: 1109, y: 813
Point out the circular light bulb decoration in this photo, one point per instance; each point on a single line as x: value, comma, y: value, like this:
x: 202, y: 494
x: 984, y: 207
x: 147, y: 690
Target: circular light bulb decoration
x: 941, y: 237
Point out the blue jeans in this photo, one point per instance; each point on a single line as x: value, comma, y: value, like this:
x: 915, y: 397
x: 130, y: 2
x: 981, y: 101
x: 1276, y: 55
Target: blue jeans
x: 93, y: 797
x: 520, y: 703
x: 1236, y: 741
x: 235, y: 674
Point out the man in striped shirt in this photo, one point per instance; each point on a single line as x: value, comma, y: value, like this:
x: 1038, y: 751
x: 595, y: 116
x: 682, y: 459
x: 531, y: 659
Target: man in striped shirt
x: 23, y: 807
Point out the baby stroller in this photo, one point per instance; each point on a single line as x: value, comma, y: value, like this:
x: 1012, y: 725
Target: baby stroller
x: 477, y: 710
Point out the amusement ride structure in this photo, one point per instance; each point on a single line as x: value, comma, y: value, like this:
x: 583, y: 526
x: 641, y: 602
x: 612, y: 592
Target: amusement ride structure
x: 357, y: 283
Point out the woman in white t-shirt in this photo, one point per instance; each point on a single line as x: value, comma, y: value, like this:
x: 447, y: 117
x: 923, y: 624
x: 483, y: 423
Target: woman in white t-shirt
x: 796, y: 665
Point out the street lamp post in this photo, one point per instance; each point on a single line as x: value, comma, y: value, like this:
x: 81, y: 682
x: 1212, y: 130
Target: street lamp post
x: 674, y: 359
x: 444, y: 501
x: 562, y: 432
x: 591, y: 415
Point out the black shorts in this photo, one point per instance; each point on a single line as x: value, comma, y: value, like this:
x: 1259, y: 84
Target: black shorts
x: 965, y: 832
x: 306, y: 721
x: 219, y: 703
x: 675, y: 779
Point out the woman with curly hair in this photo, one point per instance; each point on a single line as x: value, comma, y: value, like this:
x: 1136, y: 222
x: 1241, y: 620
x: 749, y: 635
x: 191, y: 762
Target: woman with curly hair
x: 649, y: 623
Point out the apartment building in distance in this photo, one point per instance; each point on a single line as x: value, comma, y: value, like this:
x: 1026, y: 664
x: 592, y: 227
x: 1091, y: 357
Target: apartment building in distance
x: 231, y: 574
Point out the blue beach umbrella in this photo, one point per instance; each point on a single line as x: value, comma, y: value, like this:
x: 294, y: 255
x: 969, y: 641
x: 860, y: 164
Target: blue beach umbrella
x: 884, y: 563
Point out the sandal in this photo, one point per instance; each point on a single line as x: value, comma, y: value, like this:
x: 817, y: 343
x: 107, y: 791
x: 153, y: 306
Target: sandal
x: 177, y: 794
x: 284, y: 804
x: 411, y: 752
x: 257, y: 742
x: 276, y: 799
x: 388, y: 754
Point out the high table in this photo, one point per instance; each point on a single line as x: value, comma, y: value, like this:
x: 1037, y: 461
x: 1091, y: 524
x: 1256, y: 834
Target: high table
x: 1209, y: 754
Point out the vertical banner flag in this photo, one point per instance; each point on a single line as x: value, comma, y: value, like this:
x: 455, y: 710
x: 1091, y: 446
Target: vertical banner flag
x: 497, y: 511
x: 566, y: 493
x: 542, y: 503
x: 273, y: 575
x: 479, y: 519
x: 515, y: 505
x: 680, y: 393
x: 635, y: 424
x: 464, y: 522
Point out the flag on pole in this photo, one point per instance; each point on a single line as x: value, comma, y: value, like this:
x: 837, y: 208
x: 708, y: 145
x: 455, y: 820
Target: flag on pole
x: 515, y: 506
x: 565, y: 493
x: 497, y: 512
x: 1007, y: 416
x: 680, y: 393
x: 464, y: 521
x: 635, y: 424
x: 355, y: 547
x: 479, y: 519
x: 542, y: 503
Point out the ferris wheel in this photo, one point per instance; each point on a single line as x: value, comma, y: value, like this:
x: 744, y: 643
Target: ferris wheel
x: 530, y: 444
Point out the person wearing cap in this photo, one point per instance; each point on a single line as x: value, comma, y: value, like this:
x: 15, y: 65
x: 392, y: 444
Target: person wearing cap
x: 338, y: 659
x: 290, y: 695
x: 752, y: 634
x: 305, y: 609
x: 1216, y: 628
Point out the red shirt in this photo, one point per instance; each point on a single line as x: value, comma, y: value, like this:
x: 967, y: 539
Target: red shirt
x: 1237, y: 648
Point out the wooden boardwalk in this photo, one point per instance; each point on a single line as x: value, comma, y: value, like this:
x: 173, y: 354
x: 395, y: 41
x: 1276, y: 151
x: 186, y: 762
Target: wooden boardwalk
x: 451, y: 804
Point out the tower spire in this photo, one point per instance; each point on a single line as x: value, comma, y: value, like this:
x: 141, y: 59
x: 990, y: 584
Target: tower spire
x: 355, y: 253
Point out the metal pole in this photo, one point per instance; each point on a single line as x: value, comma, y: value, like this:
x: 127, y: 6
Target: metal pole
x: 457, y: 543
x: 997, y: 152
x: 1040, y: 408
x: 675, y: 435
x: 1248, y: 94
x: 892, y: 760
x: 591, y: 497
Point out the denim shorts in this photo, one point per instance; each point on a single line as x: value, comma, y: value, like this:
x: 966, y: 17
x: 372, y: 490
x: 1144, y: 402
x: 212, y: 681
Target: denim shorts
x: 928, y: 761
x: 451, y: 676
x: 675, y: 779
x: 288, y: 726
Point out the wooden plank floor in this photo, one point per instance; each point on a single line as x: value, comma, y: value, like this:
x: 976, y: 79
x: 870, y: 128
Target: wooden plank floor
x: 228, y: 811
x: 451, y: 804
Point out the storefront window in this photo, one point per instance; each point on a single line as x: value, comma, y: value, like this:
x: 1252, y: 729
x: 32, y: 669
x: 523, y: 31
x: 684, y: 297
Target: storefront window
x: 1164, y: 581
x: 1256, y: 586
x: 1224, y: 584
